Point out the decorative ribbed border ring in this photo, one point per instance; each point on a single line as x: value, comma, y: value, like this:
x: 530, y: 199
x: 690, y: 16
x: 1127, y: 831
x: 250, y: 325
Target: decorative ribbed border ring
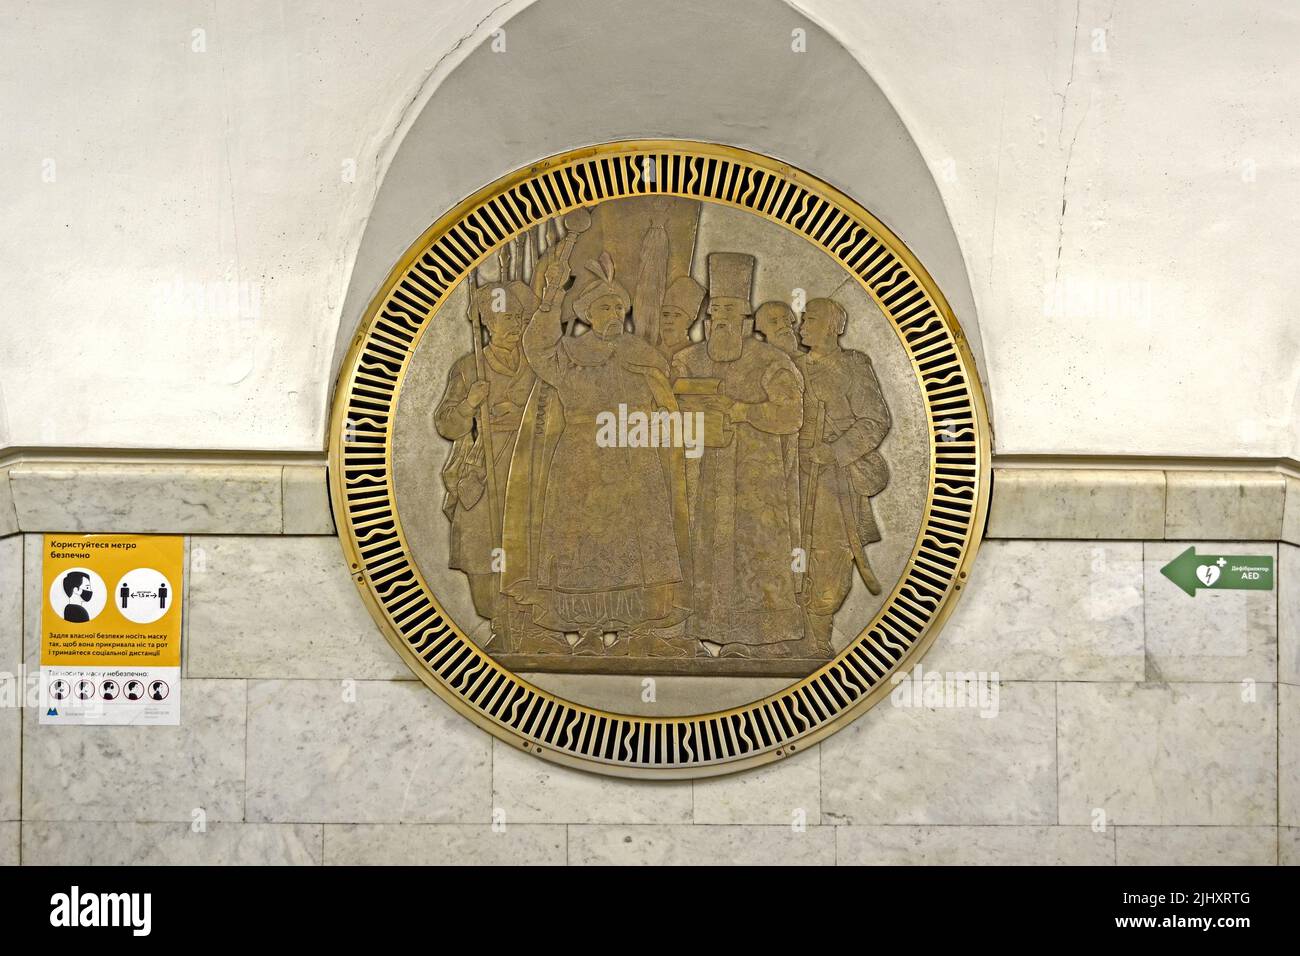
x: 361, y: 463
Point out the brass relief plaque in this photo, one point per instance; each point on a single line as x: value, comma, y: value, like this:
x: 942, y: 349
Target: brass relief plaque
x: 659, y: 458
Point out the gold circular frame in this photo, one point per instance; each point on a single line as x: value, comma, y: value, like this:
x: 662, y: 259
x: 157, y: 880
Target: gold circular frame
x: 409, y: 613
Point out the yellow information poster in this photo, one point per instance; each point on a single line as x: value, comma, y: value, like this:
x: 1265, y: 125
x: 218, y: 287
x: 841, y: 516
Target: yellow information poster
x: 111, y: 629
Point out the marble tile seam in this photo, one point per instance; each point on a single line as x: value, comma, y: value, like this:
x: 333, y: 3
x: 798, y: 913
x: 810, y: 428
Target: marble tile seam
x: 488, y: 825
x: 1030, y: 844
x: 1077, y: 502
x: 1116, y: 503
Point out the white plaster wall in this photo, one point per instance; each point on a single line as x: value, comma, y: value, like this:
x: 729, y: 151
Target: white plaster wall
x: 1154, y: 182
x: 726, y: 72
x: 221, y: 172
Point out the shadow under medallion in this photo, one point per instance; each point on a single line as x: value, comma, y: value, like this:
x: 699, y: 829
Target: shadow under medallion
x: 661, y: 436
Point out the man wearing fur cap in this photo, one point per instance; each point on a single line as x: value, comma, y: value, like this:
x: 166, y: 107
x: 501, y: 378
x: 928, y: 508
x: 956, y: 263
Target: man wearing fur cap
x: 745, y: 494
x: 595, y: 536
x: 502, y: 308
x: 681, y: 310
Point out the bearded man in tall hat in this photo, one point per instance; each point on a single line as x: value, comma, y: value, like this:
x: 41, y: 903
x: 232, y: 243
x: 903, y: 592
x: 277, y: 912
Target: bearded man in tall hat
x: 845, y: 420
x: 595, y: 536
x: 469, y: 402
x: 744, y: 488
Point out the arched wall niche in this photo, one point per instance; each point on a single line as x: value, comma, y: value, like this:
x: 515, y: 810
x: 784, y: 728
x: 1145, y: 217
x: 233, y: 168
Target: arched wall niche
x: 724, y: 72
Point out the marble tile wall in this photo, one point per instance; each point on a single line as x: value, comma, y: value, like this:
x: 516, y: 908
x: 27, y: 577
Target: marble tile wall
x: 146, y: 498
x: 1049, y: 610
x: 164, y: 497
x: 362, y: 752
x: 306, y: 500
x: 1027, y: 501
x: 280, y: 608
x: 1131, y: 724
x: 1167, y: 754
x: 11, y: 691
x: 1291, y: 511
x: 1143, y: 504
x: 10, y: 840
x: 1220, y: 635
x: 1077, y: 503
x: 1224, y: 505
x: 1288, y: 614
x: 172, y: 844
x: 142, y: 774
x: 8, y: 514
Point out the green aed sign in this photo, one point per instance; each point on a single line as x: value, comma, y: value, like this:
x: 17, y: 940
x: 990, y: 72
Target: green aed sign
x: 1193, y: 572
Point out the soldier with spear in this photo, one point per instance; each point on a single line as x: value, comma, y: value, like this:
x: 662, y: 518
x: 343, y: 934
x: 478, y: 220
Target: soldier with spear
x: 480, y: 411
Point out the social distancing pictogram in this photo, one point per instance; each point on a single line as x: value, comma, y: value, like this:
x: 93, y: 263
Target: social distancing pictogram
x: 111, y: 629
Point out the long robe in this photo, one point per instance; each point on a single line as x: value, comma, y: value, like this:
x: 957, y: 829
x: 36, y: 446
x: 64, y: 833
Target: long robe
x: 744, y: 501
x: 844, y: 409
x: 464, y: 476
x: 843, y: 387
x: 595, y: 536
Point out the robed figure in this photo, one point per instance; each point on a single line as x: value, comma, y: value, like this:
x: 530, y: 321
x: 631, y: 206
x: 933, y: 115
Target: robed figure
x: 744, y: 488
x: 845, y: 420
x: 595, y: 537
x: 475, y: 399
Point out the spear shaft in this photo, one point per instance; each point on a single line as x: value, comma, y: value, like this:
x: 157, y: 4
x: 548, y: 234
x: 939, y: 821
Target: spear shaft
x: 484, y: 416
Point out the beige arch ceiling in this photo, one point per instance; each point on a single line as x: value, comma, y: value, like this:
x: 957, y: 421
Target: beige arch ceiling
x: 722, y: 72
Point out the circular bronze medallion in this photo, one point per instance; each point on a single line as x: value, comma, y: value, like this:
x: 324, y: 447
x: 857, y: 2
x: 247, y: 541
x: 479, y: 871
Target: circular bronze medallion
x: 659, y: 458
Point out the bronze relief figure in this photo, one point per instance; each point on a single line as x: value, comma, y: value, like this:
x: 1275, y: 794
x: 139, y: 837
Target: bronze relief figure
x: 707, y: 477
x: 682, y: 482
